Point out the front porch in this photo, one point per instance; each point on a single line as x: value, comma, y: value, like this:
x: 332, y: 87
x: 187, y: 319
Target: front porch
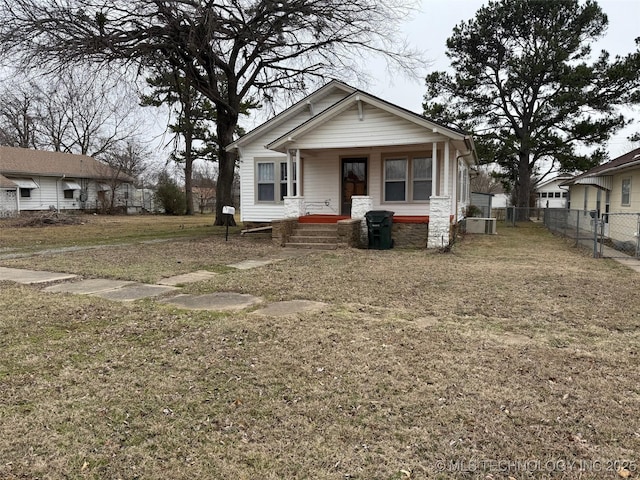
x: 330, y: 232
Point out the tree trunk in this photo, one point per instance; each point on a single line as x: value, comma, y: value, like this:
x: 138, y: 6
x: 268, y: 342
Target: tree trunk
x: 226, y: 124
x: 524, y: 186
x: 188, y: 171
x: 188, y: 148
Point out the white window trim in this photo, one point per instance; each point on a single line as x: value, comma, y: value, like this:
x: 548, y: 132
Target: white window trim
x: 622, y: 202
x: 277, y: 180
x: 408, y: 177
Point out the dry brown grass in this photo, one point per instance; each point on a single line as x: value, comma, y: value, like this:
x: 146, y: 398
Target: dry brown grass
x: 514, y: 348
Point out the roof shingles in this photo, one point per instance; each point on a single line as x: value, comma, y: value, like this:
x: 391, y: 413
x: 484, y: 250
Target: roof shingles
x: 22, y: 161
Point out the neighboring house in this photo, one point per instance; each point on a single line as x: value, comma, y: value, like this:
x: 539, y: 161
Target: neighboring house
x: 42, y: 180
x: 8, y: 197
x: 612, y: 190
x: 341, y: 152
x: 551, y: 193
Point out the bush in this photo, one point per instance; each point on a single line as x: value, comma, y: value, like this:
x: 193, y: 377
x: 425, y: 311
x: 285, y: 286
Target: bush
x: 170, y: 196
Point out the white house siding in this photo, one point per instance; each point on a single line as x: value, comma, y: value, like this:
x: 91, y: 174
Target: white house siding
x: 616, y: 193
x: 551, y: 194
x: 321, y: 183
x: 377, y: 128
x: 50, y: 195
x: 250, y: 209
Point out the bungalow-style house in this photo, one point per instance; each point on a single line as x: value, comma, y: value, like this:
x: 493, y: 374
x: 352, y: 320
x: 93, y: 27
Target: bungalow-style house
x: 41, y: 180
x: 551, y: 194
x: 612, y: 190
x: 341, y: 152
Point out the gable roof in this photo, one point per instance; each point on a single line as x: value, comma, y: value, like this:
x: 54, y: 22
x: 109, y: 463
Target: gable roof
x: 359, y: 96
x: 25, y: 161
x: 562, y: 178
x: 286, y: 114
x: 354, y: 96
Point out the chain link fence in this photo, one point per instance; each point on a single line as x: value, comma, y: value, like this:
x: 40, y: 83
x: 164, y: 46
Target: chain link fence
x: 611, y: 235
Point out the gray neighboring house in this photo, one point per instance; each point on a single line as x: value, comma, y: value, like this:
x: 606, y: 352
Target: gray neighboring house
x: 32, y: 180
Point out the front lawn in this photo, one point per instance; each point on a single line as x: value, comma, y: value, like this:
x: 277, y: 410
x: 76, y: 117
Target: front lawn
x: 509, y: 356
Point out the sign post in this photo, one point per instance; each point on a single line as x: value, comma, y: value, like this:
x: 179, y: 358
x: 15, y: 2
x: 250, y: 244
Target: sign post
x: 229, y: 212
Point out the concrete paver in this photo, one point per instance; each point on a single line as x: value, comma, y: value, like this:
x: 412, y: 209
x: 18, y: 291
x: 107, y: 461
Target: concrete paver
x: 135, y: 291
x: 28, y: 277
x: 291, y: 307
x: 248, y: 264
x: 89, y: 286
x: 218, y: 301
x: 192, y: 277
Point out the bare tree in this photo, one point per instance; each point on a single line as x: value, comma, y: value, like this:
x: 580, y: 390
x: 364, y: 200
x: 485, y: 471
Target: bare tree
x: 19, y: 115
x: 124, y: 163
x: 231, y: 51
x: 484, y: 180
x: 75, y: 112
x: 89, y: 113
x: 204, y: 185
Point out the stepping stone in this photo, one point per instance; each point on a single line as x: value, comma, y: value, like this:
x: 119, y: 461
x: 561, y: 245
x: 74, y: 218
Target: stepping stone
x: 89, y: 286
x: 291, y: 307
x: 135, y: 291
x: 219, y: 301
x: 192, y: 277
x: 29, y: 277
x: 248, y: 264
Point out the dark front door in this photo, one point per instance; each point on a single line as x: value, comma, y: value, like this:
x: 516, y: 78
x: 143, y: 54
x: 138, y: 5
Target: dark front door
x: 354, y: 181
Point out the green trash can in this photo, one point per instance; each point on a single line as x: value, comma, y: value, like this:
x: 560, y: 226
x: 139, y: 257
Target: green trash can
x: 379, y: 224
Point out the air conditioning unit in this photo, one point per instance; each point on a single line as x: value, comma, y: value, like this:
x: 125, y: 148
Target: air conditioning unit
x: 481, y: 225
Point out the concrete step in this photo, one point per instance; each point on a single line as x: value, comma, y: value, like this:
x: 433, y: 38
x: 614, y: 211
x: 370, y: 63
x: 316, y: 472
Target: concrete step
x: 313, y: 246
x: 320, y: 227
x: 295, y: 238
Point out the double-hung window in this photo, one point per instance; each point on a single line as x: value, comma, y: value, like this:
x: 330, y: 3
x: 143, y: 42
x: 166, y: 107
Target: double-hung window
x: 271, y: 180
x: 266, y: 181
x: 421, y: 178
x: 284, y: 178
x: 626, y: 191
x: 407, y: 179
x: 395, y: 180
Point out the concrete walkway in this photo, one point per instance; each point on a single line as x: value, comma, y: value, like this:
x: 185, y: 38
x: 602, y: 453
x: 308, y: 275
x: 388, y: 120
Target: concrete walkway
x: 126, y: 291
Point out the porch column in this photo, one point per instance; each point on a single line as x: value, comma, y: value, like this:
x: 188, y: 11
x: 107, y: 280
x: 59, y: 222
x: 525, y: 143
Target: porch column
x: 434, y: 169
x: 439, y: 222
x: 445, y: 192
x: 289, y: 174
x: 361, y: 204
x: 298, y: 178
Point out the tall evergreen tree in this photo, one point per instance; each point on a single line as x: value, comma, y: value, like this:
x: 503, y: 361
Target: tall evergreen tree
x: 525, y: 84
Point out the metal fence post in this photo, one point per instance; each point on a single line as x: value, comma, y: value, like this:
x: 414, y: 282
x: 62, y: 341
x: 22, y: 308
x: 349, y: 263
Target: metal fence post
x: 638, y: 235
x: 577, y: 228
x: 595, y: 237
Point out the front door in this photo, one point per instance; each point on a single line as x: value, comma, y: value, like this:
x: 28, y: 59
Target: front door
x: 354, y: 181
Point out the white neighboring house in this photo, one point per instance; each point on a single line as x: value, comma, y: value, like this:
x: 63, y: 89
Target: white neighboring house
x: 350, y: 152
x: 41, y: 180
x: 550, y: 193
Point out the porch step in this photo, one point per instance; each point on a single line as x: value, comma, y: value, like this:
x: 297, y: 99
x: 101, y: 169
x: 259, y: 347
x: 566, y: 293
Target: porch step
x: 314, y: 246
x: 306, y: 238
x: 314, y: 236
x: 317, y: 227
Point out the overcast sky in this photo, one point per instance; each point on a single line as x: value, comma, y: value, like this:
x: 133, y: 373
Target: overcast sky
x: 432, y: 26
